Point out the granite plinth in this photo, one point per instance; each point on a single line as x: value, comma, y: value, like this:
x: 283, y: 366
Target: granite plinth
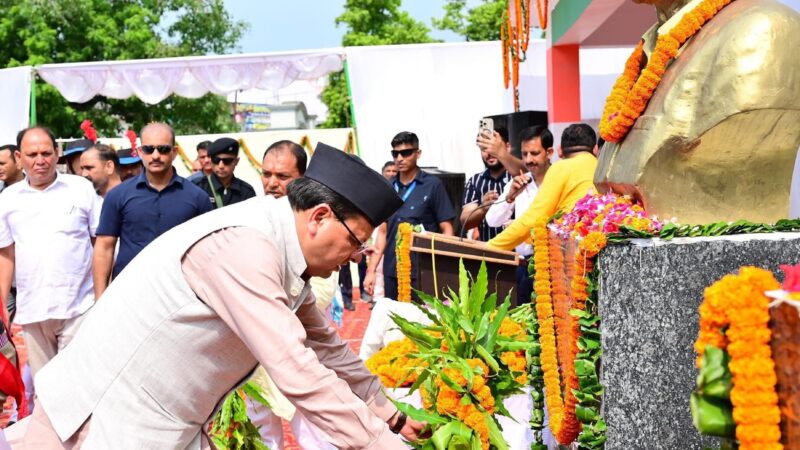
x: 650, y: 291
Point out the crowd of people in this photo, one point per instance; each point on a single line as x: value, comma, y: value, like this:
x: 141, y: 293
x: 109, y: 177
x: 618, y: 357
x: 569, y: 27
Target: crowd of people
x: 70, y: 240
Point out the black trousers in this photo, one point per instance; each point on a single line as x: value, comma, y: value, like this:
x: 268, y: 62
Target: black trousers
x: 346, y: 280
x: 524, y: 284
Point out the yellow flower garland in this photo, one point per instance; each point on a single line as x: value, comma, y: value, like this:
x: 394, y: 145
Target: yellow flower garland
x: 393, y: 366
x: 734, y: 317
x: 403, y: 251
x: 634, y: 88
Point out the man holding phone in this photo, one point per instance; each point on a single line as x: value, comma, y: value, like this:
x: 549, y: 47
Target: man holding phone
x: 484, y: 188
x: 139, y: 211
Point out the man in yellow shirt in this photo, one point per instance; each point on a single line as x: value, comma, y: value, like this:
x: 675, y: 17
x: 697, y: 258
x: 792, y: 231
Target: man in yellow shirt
x: 564, y: 184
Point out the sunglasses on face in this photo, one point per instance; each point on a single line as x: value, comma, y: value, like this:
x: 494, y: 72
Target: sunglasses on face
x: 150, y: 149
x: 404, y: 153
x: 227, y: 161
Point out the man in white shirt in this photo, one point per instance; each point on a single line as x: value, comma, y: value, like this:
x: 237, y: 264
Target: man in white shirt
x: 47, y: 228
x: 537, y: 148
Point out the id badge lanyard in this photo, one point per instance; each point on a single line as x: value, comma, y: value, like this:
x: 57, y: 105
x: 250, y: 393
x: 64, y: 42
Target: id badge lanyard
x: 408, y: 192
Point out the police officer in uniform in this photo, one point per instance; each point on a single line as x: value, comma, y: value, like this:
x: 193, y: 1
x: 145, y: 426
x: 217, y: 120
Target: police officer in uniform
x: 222, y: 186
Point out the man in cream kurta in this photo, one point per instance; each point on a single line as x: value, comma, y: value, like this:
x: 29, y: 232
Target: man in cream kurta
x: 199, y: 308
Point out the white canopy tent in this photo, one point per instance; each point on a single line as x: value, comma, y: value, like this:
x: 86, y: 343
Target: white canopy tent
x: 153, y: 80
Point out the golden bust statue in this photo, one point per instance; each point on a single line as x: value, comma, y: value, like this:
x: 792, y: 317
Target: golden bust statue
x: 718, y: 138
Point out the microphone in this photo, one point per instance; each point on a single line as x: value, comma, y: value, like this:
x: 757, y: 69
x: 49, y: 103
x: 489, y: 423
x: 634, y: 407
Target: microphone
x: 513, y: 195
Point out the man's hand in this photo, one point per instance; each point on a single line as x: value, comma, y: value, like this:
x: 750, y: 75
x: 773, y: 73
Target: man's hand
x: 412, y: 430
x: 518, y: 183
x: 369, y: 282
x: 493, y: 144
x: 489, y: 198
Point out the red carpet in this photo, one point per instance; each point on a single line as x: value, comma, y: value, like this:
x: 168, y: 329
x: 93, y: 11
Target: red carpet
x: 354, y: 324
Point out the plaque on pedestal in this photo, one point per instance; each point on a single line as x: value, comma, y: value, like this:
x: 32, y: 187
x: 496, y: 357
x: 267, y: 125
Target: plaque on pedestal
x: 437, y: 257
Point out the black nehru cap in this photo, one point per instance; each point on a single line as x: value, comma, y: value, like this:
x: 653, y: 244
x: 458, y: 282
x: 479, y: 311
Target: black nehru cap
x: 224, y: 145
x: 348, y: 176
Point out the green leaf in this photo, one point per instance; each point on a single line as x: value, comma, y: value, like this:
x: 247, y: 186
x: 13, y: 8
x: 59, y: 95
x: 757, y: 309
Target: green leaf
x: 477, y: 296
x: 463, y: 289
x: 414, y: 332
x: 420, y: 379
x: 419, y: 414
x: 713, y: 417
x: 495, y: 435
x: 255, y: 392
x: 487, y: 358
x: 495, y: 325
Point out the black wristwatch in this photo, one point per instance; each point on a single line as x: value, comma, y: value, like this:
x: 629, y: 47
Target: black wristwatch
x: 401, y: 422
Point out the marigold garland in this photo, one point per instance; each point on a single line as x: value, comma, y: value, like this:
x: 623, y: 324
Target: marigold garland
x: 516, y: 361
x: 515, y: 38
x: 542, y: 10
x: 635, y: 87
x: 450, y: 402
x: 393, y: 365
x: 563, y: 422
x: 734, y: 316
x: 403, y: 252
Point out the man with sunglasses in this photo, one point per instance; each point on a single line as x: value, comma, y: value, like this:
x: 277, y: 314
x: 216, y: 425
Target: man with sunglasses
x: 138, y: 211
x: 425, y: 202
x: 222, y: 186
x: 194, y: 313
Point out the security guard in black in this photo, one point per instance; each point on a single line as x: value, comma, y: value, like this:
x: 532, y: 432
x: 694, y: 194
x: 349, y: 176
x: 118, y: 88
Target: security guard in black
x: 222, y: 186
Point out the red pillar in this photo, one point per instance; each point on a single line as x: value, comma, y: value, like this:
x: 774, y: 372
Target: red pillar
x: 563, y: 83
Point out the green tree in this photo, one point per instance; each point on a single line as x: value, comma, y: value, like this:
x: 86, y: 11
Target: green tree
x: 481, y: 23
x: 368, y: 22
x: 36, y: 32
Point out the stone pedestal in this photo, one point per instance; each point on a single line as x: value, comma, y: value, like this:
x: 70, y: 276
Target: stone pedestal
x: 649, y: 295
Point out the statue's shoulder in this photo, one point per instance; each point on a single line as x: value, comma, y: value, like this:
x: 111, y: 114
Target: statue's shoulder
x: 767, y: 24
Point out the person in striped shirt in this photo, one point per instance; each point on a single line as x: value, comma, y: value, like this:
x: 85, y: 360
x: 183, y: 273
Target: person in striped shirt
x: 483, y: 189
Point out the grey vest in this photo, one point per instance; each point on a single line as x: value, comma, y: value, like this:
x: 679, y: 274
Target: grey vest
x: 151, y: 361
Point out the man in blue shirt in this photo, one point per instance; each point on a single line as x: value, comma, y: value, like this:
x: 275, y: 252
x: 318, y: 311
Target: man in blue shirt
x: 425, y: 202
x: 142, y: 208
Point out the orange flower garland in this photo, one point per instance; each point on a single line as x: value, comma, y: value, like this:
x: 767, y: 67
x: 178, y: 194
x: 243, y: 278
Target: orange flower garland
x: 563, y: 423
x: 634, y: 88
x: 450, y: 402
x: 404, y: 262
x: 561, y: 303
x: 734, y: 317
x: 542, y: 11
x: 393, y: 366
x: 515, y: 361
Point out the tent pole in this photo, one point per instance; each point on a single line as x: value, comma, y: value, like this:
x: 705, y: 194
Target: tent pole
x: 352, y: 106
x: 32, y: 118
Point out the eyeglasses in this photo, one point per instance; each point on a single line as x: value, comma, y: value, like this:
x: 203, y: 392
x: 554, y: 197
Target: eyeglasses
x: 163, y: 149
x: 405, y: 153
x: 362, y: 246
x: 227, y: 161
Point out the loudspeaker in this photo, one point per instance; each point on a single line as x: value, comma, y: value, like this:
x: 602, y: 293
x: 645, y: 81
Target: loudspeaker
x: 454, y: 185
x: 516, y: 122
